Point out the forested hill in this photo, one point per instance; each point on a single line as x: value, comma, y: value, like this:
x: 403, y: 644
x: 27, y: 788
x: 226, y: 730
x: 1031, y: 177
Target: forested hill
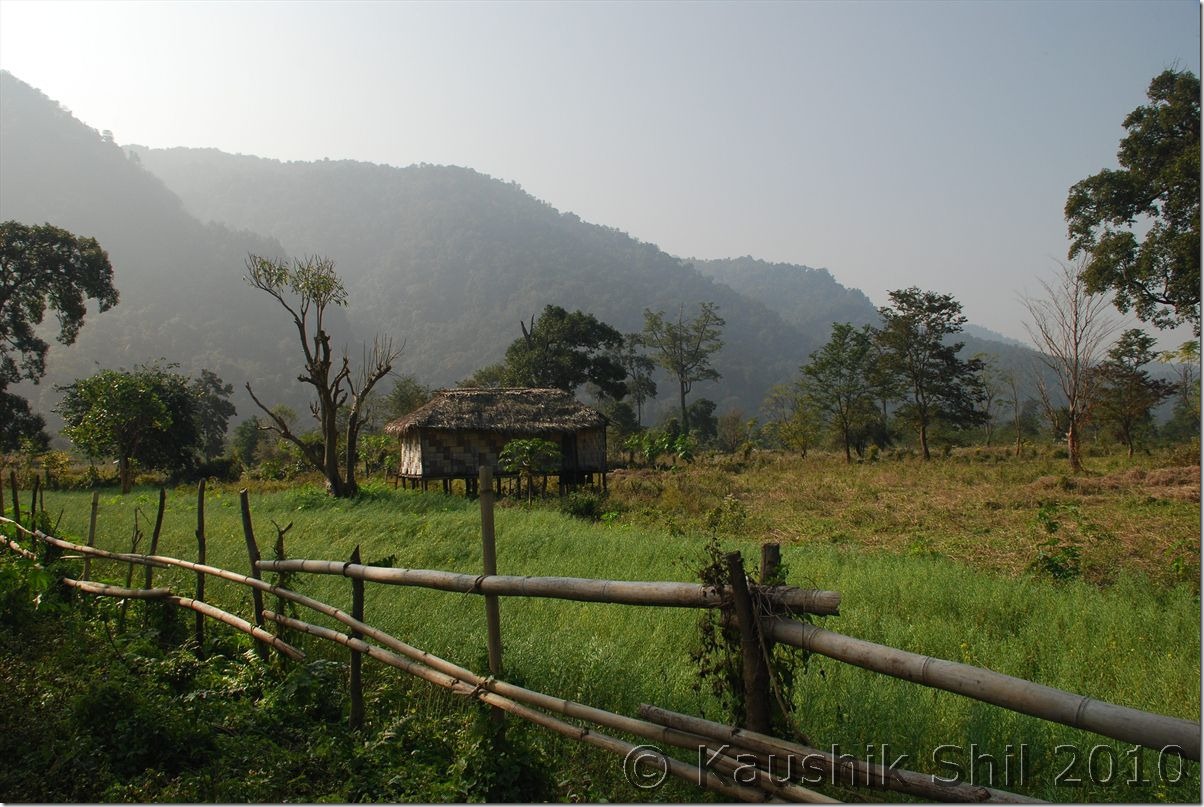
x: 444, y: 258
x: 452, y: 260
x: 182, y: 297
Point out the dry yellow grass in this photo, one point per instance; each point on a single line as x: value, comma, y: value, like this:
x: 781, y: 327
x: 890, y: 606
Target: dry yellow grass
x: 981, y: 507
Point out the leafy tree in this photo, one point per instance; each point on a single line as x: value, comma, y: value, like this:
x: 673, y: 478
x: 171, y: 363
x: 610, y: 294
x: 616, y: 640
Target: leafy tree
x: 212, y: 413
x: 530, y: 457
x: 701, y: 414
x: 994, y: 384
x: 684, y: 348
x: 791, y: 421
x: 732, y: 430
x: 305, y: 289
x: 1127, y: 392
x: 637, y: 365
x: 563, y: 350
x: 915, y: 351
x: 1155, y: 192
x: 147, y: 415
x: 837, y: 381
x: 406, y: 396
x: 42, y: 266
x: 1185, y: 417
x: 1070, y: 332
x: 244, y: 443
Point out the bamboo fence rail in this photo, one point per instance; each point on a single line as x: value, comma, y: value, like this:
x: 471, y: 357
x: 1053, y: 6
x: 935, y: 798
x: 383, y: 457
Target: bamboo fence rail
x: 836, y: 769
x: 1155, y: 731
x: 622, y: 592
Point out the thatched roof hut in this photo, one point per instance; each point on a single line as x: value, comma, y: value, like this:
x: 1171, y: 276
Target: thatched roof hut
x: 461, y: 429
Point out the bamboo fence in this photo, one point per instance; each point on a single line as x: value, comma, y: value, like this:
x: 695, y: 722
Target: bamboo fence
x: 727, y: 750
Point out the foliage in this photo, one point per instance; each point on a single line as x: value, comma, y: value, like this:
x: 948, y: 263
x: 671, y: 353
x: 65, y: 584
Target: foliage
x: 685, y: 347
x: 837, y: 381
x: 150, y: 415
x: 652, y: 444
x: 406, y: 395
x: 916, y: 352
x: 704, y: 426
x: 1155, y: 193
x: 244, y: 443
x: 212, y: 411
x: 563, y: 351
x: 42, y: 266
x: 638, y: 366
x: 584, y: 503
x: 1127, y: 392
x: 530, y: 456
x: 792, y: 423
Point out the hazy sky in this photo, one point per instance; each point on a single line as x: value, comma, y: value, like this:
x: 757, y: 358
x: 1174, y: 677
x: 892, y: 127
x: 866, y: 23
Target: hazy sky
x: 894, y: 143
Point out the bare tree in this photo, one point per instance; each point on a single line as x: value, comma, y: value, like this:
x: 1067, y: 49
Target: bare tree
x: 305, y: 288
x: 1071, y: 332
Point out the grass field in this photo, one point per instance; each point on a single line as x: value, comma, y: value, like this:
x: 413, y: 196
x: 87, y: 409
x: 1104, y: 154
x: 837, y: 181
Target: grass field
x: 940, y: 558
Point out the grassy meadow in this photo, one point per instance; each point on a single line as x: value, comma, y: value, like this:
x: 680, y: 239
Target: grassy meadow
x: 1089, y: 584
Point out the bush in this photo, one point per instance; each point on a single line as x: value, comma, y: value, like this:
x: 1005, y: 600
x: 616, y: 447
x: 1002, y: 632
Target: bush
x: 586, y: 503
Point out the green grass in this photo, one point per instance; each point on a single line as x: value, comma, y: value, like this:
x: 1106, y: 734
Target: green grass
x: 1131, y: 642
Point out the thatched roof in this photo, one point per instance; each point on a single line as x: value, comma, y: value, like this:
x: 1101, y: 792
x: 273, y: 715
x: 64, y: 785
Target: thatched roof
x: 505, y: 409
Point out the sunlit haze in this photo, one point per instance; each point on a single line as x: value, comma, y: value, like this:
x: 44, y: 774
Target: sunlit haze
x: 895, y: 144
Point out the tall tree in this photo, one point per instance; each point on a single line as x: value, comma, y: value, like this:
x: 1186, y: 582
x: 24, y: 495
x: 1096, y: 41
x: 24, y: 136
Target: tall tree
x: 837, y: 381
x: 640, y: 385
x: 1070, y: 331
x: 42, y: 266
x: 1156, y: 193
x: 915, y: 350
x: 1128, y: 393
x: 148, y: 415
x: 1185, y: 418
x: 212, y: 412
x: 564, y: 350
x: 305, y: 289
x: 684, y: 348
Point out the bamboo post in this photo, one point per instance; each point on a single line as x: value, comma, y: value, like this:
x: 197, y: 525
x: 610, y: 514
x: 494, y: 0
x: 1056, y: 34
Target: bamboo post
x: 489, y: 559
x: 253, y: 553
x: 200, y: 559
x: 357, y: 613
x: 91, y: 534
x: 33, y: 502
x: 755, y: 670
x: 154, y: 544
x: 135, y: 539
x: 12, y: 482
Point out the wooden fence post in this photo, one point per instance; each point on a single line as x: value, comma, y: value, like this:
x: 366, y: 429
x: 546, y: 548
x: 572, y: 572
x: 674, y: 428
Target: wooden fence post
x: 135, y: 539
x: 200, y: 558
x: 91, y: 534
x: 756, y: 671
x: 253, y: 553
x: 12, y: 481
x: 357, y: 613
x: 33, y: 502
x: 154, y: 544
x: 489, y: 558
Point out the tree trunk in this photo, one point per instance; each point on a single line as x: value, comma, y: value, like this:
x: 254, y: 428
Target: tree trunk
x: 123, y: 473
x: 1072, y: 445
x: 924, y: 441
x: 848, y: 455
x: 685, y: 420
x: 350, y: 485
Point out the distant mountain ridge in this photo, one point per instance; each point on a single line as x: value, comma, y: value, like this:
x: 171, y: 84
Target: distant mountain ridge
x: 445, y: 258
